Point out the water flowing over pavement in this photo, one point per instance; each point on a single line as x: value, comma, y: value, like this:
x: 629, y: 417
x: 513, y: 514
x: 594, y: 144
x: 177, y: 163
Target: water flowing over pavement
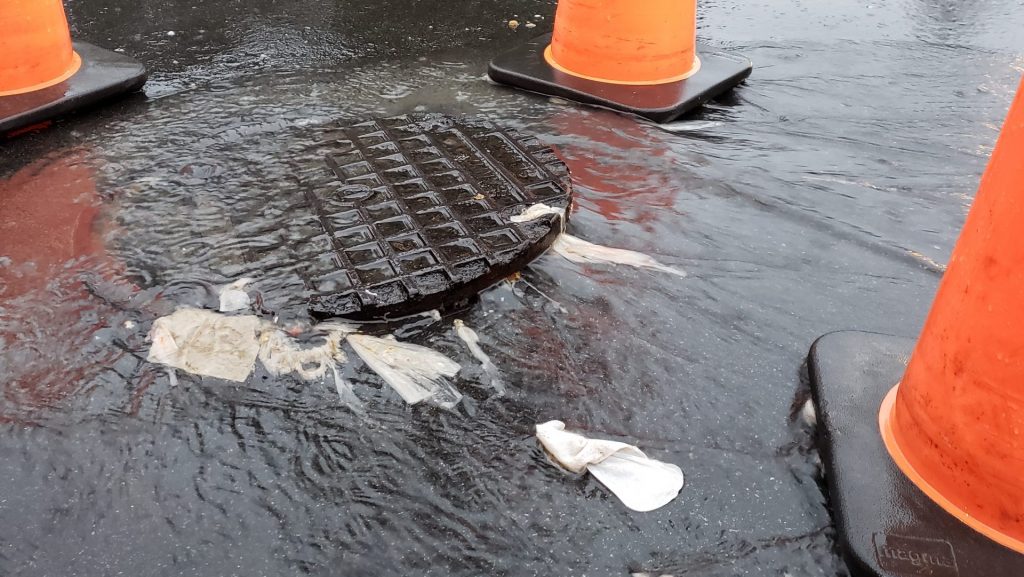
x: 824, y: 194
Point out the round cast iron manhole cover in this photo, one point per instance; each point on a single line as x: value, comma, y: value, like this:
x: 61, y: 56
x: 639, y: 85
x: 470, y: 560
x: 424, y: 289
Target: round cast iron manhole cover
x: 416, y: 211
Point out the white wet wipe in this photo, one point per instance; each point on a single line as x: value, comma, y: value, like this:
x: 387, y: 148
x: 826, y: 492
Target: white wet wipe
x: 281, y: 355
x: 536, y: 211
x: 233, y: 296
x: 206, y: 343
x: 211, y: 344
x: 641, y: 483
x: 472, y: 341
x: 582, y: 252
x: 414, y: 372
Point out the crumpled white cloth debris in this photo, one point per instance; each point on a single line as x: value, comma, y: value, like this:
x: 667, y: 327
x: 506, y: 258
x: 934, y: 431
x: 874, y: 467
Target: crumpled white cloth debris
x: 582, y: 252
x: 206, y: 343
x: 641, y: 483
x: 233, y: 296
x: 414, y: 372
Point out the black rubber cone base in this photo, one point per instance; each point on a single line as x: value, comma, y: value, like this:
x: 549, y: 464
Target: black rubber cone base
x: 526, y: 68
x: 886, y: 525
x: 419, y: 212
x: 103, y: 74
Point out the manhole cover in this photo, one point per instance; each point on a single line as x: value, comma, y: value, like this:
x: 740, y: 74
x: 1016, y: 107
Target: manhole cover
x: 417, y: 210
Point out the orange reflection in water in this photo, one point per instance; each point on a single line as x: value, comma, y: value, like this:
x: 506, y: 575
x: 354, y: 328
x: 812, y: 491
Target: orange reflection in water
x: 618, y: 166
x: 50, y: 322
x: 47, y: 210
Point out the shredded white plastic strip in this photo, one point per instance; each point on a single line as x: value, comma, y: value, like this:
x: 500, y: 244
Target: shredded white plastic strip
x: 641, y: 483
x: 544, y: 295
x: 281, y: 354
x: 688, y: 126
x: 536, y: 211
x: 582, y: 252
x: 345, y: 392
x: 414, y: 372
x: 233, y: 296
x: 206, y: 343
x: 472, y: 341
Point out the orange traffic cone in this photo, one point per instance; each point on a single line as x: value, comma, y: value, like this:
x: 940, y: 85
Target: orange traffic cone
x: 955, y: 423
x: 35, y: 46
x: 638, y: 57
x: 613, y: 41
x: 42, y: 74
x: 940, y: 490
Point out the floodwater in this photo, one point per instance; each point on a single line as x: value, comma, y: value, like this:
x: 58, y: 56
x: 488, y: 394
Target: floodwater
x: 824, y: 194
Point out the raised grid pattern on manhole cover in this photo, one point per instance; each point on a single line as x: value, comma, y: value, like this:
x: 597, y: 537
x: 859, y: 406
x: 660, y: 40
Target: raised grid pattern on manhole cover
x: 415, y: 211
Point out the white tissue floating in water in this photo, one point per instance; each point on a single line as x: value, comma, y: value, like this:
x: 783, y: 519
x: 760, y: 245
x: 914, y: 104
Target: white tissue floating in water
x: 472, y: 341
x: 281, y: 354
x: 414, y: 372
x: 641, y: 483
x: 233, y: 296
x: 582, y: 252
x: 206, y: 343
x: 536, y: 211
x: 211, y: 344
